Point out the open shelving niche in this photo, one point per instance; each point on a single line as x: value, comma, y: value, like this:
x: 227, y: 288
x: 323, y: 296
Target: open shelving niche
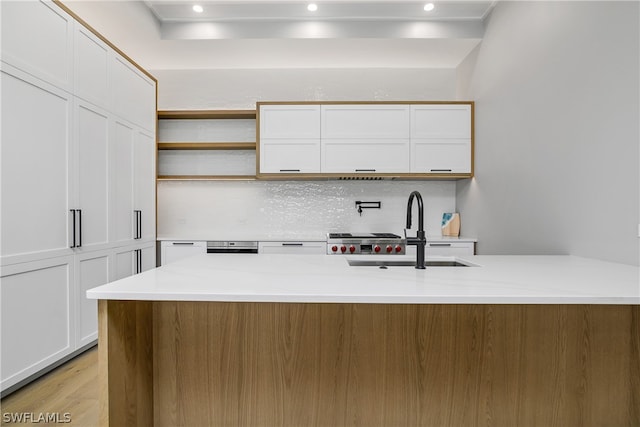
x: 206, y: 145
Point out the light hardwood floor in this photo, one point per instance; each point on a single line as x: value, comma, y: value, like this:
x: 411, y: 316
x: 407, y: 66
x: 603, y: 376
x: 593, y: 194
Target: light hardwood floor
x: 71, y: 388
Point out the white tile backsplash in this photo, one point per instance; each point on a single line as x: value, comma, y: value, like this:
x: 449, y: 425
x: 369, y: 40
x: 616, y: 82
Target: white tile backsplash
x: 293, y: 209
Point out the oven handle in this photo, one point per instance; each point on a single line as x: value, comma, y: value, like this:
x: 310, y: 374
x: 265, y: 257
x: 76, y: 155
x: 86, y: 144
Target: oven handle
x: 232, y: 250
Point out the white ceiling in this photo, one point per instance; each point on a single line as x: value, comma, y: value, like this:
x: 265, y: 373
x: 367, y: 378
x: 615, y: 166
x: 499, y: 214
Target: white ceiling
x: 283, y: 34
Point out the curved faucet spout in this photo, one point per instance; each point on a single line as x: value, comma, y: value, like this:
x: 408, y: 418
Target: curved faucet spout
x: 418, y: 197
x: 420, y: 241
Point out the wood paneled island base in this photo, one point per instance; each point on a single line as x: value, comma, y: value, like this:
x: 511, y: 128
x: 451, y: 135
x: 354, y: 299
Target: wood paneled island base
x: 313, y: 364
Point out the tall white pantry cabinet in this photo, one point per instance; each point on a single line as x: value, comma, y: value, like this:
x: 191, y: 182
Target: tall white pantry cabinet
x: 77, y: 182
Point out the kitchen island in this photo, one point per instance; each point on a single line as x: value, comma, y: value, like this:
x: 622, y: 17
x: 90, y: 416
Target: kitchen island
x: 264, y: 340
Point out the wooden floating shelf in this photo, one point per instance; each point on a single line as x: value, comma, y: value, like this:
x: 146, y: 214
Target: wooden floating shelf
x: 206, y: 177
x: 206, y: 146
x: 206, y: 114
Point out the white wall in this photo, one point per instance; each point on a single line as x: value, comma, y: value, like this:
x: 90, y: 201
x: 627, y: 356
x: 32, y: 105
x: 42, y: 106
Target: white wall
x: 295, y: 209
x: 242, y: 88
x: 557, y: 131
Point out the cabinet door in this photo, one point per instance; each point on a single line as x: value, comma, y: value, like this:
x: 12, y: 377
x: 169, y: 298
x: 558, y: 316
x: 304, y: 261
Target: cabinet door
x: 441, y: 121
x: 290, y: 155
x: 91, y: 67
x: 365, y: 156
x: 133, y: 94
x: 35, y: 165
x: 92, y: 148
x: 133, y: 260
x: 289, y: 121
x: 36, y: 322
x: 450, y: 249
x: 37, y: 37
x: 144, y: 166
x: 92, y: 270
x: 124, y: 261
x: 441, y: 156
x: 147, y: 258
x: 385, y: 121
x: 174, y: 251
x: 294, y: 248
x: 441, y: 138
x: 121, y: 141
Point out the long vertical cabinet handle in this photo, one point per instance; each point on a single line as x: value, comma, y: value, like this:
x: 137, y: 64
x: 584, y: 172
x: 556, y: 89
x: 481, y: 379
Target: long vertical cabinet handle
x: 138, y: 215
x: 138, y: 261
x: 79, y: 228
x: 73, y: 227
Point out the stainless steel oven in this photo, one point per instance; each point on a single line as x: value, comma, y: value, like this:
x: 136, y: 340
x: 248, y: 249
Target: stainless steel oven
x: 232, y: 247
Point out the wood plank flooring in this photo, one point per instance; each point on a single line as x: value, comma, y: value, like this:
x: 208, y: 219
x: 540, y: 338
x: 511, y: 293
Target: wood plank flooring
x: 69, y: 389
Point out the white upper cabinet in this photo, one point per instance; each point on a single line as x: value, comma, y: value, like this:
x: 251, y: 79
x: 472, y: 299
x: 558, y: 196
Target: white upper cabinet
x: 289, y: 138
x: 365, y: 156
x: 37, y: 37
x: 290, y: 155
x: 441, y: 139
x: 365, y: 139
x: 91, y: 67
x: 133, y: 94
x: 441, y: 121
x: 36, y: 145
x: 289, y: 121
x: 419, y: 140
x: 380, y: 121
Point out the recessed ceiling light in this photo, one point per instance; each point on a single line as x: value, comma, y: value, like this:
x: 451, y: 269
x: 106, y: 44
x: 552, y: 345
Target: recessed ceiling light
x: 312, y: 7
x: 197, y: 8
x: 429, y: 7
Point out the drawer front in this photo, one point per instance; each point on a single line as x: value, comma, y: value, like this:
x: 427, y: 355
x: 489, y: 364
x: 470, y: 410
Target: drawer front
x: 302, y: 248
x: 172, y: 251
x: 450, y: 249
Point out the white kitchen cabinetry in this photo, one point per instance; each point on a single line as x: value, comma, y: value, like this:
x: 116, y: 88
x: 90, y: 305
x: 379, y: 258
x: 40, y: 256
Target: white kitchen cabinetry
x: 128, y: 261
x: 91, y: 67
x: 37, y: 37
x: 171, y: 251
x: 78, y: 131
x: 144, y: 185
x: 441, y: 138
x: 91, y: 176
x: 133, y: 186
x: 293, y: 247
x: 92, y: 269
x: 365, y: 139
x: 36, y: 147
x: 37, y: 325
x: 290, y: 138
x: 123, y: 216
x: 365, y: 156
x: 443, y: 248
x: 133, y: 94
x: 411, y: 140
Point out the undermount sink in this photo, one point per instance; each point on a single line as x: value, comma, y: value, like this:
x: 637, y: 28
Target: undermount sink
x: 405, y: 263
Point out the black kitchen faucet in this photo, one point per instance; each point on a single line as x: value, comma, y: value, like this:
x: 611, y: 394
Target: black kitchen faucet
x: 420, y: 241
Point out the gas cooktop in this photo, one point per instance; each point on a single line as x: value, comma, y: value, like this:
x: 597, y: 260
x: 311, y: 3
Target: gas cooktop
x: 365, y: 244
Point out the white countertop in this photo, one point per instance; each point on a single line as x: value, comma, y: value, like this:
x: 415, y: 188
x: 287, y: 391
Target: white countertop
x: 330, y: 279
